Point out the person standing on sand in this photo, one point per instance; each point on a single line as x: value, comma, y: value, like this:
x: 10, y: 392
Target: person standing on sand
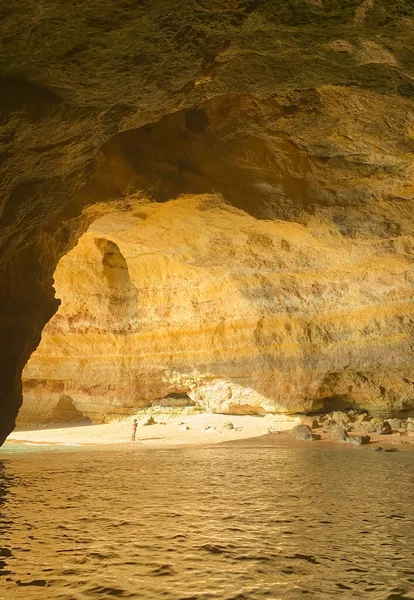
x: 134, y: 429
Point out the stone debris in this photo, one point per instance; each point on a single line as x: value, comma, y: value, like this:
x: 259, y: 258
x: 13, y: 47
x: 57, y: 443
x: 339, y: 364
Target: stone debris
x: 147, y: 421
x: 228, y: 425
x: 362, y: 418
x: 341, y: 418
x: 377, y: 426
x: 339, y: 425
x: 362, y: 422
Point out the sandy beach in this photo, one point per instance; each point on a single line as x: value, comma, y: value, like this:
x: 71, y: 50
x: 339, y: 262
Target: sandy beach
x: 169, y: 429
x: 193, y: 429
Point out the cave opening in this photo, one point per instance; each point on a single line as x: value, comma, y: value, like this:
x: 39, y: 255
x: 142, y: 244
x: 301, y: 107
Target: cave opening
x: 67, y: 411
x: 218, y: 264
x: 174, y: 400
x: 195, y: 303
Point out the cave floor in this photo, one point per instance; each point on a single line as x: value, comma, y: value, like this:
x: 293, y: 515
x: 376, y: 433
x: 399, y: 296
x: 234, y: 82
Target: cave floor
x: 192, y: 430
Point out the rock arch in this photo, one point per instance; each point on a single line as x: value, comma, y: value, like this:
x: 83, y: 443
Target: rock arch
x: 324, y: 143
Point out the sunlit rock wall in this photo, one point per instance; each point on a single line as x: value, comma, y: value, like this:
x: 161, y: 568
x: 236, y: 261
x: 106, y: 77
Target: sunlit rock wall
x: 194, y: 296
x: 309, y: 107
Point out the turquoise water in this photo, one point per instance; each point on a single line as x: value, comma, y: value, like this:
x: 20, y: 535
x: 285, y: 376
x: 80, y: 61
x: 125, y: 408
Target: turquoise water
x: 13, y: 449
x: 205, y: 523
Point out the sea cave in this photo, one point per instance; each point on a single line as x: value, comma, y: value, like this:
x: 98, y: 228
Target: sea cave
x: 206, y: 226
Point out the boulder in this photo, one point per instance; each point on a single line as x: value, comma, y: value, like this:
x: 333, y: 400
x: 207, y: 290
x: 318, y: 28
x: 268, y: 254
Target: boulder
x: 341, y: 418
x: 385, y: 428
x: 311, y: 422
x: 301, y: 428
x: 377, y: 426
x: 353, y: 413
x: 305, y: 437
x: 328, y: 425
x: 303, y: 432
x: 339, y: 434
x: 147, y: 421
x: 396, y: 424
x: 359, y: 439
x: 362, y: 418
x: 364, y: 426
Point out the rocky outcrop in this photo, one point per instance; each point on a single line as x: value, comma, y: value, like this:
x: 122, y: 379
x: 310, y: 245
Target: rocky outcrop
x: 300, y: 115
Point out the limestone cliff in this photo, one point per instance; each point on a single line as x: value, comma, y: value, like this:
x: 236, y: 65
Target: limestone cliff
x: 196, y: 297
x: 296, y: 111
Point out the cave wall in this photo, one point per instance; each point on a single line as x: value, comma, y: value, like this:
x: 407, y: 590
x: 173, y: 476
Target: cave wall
x: 74, y: 76
x: 196, y: 297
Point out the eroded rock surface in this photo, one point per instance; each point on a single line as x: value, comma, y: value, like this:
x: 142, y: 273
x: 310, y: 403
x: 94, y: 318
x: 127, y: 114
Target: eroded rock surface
x: 242, y: 315
x: 298, y: 113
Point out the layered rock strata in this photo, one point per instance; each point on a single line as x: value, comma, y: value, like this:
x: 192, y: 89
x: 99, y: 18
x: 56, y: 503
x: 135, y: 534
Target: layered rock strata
x: 242, y: 315
x: 297, y: 111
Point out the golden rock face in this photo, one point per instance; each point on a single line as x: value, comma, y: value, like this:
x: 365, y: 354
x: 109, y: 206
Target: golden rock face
x: 196, y: 297
x: 298, y: 113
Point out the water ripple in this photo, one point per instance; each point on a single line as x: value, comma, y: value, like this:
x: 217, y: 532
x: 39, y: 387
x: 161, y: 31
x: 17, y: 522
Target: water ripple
x: 204, y: 524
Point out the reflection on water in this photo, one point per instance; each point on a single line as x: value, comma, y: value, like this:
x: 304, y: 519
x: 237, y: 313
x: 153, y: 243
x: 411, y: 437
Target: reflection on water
x: 218, y: 523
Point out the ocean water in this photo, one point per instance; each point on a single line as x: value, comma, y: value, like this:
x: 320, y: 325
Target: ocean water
x: 222, y: 523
